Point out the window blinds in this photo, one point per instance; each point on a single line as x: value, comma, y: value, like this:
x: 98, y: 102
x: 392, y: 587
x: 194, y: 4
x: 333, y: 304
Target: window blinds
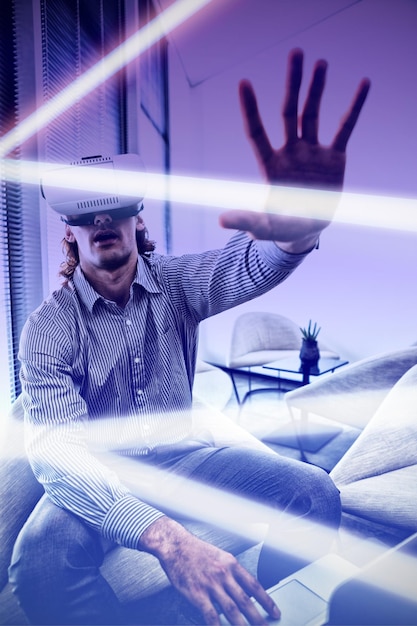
x: 74, y: 35
x: 11, y: 254
x: 65, y: 38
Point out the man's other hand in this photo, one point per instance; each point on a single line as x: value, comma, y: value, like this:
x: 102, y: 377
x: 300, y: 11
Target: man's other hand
x: 211, y: 579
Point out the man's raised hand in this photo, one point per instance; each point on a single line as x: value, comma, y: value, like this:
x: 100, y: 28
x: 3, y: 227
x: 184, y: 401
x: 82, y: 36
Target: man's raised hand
x: 301, y: 162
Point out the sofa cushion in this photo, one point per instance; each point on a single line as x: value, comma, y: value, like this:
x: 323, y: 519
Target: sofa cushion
x: 19, y: 489
x: 387, y: 498
x: 10, y: 611
x: 377, y: 476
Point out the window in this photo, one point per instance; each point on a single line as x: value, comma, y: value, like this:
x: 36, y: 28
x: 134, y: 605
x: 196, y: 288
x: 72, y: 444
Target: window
x: 44, y: 46
x: 67, y: 37
x: 19, y: 245
x: 76, y: 35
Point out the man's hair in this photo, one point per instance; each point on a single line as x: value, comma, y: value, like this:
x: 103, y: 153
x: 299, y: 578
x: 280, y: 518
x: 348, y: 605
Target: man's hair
x: 72, y: 257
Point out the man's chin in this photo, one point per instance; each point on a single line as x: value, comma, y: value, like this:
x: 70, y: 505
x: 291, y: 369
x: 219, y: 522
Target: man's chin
x: 113, y: 263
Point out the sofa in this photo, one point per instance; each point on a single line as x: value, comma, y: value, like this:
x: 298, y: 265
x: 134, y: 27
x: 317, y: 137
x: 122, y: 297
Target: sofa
x: 376, y: 477
x: 20, y: 491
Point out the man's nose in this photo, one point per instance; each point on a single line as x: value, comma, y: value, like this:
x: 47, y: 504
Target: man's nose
x: 102, y: 219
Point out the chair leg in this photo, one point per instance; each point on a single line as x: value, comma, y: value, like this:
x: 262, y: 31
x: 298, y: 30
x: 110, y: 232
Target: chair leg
x: 303, y: 418
x: 234, y: 387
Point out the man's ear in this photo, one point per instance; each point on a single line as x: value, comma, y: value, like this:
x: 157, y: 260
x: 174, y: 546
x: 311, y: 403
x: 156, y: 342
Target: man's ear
x: 69, y: 235
x: 140, y: 224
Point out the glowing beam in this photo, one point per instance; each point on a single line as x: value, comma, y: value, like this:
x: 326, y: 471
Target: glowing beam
x: 240, y: 516
x: 353, y: 208
x: 133, y: 47
x: 371, y: 210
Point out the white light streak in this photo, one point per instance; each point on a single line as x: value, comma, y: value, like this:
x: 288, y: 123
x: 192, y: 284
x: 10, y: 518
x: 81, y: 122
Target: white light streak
x: 235, y: 514
x: 240, y: 516
x: 370, y: 210
x: 133, y: 47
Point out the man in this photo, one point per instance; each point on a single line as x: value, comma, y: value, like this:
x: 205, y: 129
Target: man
x: 115, y: 348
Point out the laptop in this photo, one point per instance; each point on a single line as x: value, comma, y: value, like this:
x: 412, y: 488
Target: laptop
x: 303, y: 597
x: 332, y: 591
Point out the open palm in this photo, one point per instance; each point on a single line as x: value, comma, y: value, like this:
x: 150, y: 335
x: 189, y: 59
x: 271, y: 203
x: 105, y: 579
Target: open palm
x: 301, y: 161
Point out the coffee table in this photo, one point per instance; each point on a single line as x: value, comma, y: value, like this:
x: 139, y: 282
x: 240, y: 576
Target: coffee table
x: 293, y: 365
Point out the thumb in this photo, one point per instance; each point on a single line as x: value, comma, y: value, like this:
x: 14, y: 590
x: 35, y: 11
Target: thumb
x: 239, y: 220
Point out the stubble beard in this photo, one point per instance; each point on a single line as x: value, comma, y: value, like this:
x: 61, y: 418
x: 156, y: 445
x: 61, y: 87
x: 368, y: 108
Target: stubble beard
x: 114, y: 263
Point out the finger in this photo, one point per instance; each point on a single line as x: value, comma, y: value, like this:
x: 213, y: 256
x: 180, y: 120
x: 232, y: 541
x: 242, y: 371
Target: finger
x: 235, y: 602
x: 253, y: 123
x: 262, y: 225
x: 249, y: 221
x: 224, y: 600
x: 209, y: 612
x: 310, y: 116
x: 243, y: 611
x: 290, y: 106
x: 349, y: 121
x: 255, y: 590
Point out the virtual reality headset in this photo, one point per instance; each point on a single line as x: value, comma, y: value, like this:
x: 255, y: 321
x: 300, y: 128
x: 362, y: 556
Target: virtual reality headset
x: 96, y: 184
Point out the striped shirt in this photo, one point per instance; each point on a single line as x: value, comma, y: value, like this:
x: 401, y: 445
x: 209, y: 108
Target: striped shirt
x: 127, y: 373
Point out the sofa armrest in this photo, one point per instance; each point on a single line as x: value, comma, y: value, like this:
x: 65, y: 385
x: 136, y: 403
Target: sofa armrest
x: 352, y: 394
x: 19, y: 489
x: 377, y: 475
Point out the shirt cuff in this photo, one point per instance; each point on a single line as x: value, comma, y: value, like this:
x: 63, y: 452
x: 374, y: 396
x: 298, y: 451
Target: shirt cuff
x: 277, y: 258
x: 127, y: 520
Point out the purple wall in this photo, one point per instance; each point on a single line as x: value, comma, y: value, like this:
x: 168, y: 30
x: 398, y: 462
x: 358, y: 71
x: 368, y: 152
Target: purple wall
x: 360, y: 285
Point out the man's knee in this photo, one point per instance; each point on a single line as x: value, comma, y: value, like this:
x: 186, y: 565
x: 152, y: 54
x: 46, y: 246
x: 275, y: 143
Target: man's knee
x: 51, y: 533
x: 315, y: 513
x: 51, y: 542
x: 320, y: 497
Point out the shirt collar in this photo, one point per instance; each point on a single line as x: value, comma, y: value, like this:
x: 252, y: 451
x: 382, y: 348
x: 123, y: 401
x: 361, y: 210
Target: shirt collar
x: 89, y: 295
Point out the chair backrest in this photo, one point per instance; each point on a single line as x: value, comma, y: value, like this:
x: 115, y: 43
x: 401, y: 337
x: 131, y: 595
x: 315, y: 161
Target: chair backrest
x: 256, y: 331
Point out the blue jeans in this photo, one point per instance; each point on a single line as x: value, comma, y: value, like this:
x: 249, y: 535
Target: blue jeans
x: 55, y: 570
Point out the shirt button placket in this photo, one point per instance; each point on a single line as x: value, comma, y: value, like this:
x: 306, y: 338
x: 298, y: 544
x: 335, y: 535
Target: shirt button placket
x: 137, y: 377
x: 137, y: 369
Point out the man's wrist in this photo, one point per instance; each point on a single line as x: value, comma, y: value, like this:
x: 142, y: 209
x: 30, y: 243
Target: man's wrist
x: 162, y: 537
x: 300, y: 246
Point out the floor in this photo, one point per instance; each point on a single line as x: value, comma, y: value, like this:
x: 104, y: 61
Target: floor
x: 265, y: 415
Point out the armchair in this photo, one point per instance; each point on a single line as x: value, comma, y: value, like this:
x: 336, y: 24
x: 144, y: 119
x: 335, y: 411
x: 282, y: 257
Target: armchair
x: 378, y: 474
x: 262, y: 337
